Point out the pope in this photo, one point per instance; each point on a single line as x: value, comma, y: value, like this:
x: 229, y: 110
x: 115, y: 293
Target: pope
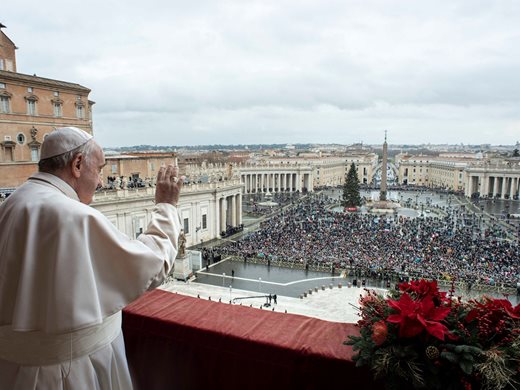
x: 66, y: 271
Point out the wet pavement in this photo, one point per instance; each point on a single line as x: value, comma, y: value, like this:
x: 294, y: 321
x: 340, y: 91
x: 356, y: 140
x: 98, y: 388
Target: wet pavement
x: 266, y: 279
x: 290, y: 282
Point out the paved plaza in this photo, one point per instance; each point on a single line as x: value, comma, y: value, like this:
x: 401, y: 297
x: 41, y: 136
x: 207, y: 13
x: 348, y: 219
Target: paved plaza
x: 266, y: 279
x: 336, y: 304
x: 252, y: 283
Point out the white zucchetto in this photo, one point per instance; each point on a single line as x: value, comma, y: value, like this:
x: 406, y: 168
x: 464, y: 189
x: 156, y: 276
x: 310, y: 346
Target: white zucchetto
x: 63, y: 140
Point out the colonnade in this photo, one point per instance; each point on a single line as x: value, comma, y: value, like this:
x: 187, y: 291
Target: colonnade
x: 229, y: 212
x: 504, y: 187
x: 275, y: 182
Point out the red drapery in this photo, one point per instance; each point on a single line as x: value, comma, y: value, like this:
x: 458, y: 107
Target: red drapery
x: 179, y: 342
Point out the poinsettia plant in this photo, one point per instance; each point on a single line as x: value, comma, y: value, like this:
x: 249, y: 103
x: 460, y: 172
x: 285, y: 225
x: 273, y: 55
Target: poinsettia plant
x: 420, y: 337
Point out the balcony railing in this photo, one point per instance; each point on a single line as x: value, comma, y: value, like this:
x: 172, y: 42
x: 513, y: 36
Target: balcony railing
x: 181, y: 342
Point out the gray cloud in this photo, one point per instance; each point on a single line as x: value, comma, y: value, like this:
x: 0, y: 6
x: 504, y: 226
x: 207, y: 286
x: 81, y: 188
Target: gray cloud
x: 282, y: 71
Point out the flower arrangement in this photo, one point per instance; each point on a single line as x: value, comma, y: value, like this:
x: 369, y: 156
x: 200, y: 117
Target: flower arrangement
x: 420, y: 337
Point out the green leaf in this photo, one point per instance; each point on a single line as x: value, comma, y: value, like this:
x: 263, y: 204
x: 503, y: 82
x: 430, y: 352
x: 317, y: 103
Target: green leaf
x: 467, y: 349
x: 450, y: 356
x: 466, y: 366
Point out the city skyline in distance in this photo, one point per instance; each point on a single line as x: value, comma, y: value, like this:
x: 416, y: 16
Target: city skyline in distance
x: 204, y: 73
x: 295, y: 147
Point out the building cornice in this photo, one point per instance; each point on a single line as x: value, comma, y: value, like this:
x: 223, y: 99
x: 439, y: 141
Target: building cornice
x: 41, y: 81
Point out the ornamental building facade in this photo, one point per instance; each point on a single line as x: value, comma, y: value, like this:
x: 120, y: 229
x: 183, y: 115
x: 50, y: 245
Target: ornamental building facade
x: 31, y: 107
x: 476, y: 175
x: 290, y: 174
x: 494, y: 178
x: 205, y: 209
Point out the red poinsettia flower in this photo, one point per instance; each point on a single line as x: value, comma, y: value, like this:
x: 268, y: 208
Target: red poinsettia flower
x: 379, y: 332
x: 416, y: 316
x: 421, y: 288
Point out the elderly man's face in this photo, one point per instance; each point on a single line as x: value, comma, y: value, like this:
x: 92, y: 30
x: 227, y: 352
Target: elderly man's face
x: 90, y: 178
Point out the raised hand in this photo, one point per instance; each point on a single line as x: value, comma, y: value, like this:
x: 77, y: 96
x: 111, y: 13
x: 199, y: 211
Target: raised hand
x: 168, y: 187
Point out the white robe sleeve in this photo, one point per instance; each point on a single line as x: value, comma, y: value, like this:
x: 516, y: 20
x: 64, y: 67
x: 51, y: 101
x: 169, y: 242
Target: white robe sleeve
x: 164, y: 229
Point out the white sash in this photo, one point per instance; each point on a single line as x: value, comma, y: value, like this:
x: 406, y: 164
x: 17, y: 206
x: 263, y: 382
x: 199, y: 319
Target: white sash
x: 40, y: 349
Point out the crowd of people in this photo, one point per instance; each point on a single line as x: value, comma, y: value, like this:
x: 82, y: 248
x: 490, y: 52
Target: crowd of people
x: 121, y: 182
x: 442, y: 247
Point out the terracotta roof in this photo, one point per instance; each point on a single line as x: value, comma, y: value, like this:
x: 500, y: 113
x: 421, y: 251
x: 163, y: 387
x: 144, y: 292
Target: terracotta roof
x: 6, y: 75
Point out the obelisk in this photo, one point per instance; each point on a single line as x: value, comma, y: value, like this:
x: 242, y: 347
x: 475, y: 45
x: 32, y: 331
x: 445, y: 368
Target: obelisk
x: 382, y: 194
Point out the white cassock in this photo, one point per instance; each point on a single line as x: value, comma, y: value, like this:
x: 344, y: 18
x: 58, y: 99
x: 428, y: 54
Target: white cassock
x: 65, y: 274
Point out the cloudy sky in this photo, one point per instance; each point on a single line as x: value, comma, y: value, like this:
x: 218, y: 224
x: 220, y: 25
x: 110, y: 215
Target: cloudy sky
x: 168, y: 72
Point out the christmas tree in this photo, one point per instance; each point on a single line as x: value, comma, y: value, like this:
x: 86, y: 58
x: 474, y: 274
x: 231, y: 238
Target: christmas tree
x: 351, y: 197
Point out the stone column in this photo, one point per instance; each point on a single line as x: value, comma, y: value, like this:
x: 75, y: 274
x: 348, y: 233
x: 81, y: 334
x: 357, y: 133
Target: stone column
x: 217, y: 217
x: 474, y: 188
x: 223, y: 214
x: 233, y: 211
x: 484, y: 185
x: 238, y: 211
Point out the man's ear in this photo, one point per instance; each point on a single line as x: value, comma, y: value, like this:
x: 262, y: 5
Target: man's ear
x: 77, y: 164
